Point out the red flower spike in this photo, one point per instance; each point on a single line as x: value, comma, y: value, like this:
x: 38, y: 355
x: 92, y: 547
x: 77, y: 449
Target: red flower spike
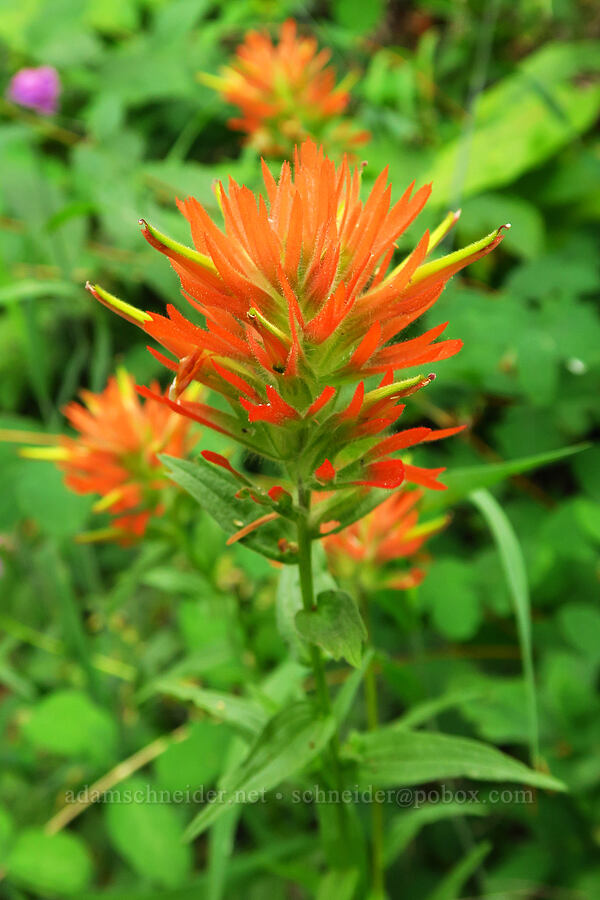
x: 325, y: 473
x: 387, y: 538
x: 283, y: 89
x: 116, y: 454
x: 297, y: 301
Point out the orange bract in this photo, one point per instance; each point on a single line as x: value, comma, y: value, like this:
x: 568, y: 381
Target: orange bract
x: 116, y: 452
x: 285, y: 93
x: 391, y: 533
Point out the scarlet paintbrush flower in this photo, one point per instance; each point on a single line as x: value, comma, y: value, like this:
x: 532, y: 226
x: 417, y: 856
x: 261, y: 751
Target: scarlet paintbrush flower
x: 384, y: 542
x: 299, y: 302
x: 115, y: 454
x: 286, y: 93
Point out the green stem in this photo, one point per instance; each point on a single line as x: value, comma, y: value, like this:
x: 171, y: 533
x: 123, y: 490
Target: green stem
x: 324, y: 702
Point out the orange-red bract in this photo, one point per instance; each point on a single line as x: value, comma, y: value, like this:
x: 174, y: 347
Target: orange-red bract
x: 390, y: 534
x: 286, y: 92
x: 115, y: 453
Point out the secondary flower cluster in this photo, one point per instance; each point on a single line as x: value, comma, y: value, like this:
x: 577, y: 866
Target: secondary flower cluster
x: 388, y: 539
x: 115, y: 454
x: 285, y: 93
x: 301, y: 304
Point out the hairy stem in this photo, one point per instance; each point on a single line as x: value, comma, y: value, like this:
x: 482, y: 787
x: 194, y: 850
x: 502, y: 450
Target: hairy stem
x: 322, y: 690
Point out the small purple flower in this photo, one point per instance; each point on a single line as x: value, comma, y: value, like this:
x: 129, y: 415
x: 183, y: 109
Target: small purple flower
x: 36, y: 89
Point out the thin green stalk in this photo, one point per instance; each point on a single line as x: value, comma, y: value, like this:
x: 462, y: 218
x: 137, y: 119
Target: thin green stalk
x: 308, y: 600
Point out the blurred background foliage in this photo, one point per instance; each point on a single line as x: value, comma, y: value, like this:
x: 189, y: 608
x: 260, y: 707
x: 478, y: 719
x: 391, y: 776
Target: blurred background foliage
x: 495, y: 102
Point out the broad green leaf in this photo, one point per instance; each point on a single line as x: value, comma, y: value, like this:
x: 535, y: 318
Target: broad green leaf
x: 522, y: 120
x: 390, y: 756
x: 286, y: 745
x: 407, y: 825
x: 425, y: 711
x: 195, y: 761
x: 461, y: 482
x: 148, y: 835
x: 452, y: 884
x: 356, y: 17
x: 215, y: 492
x: 70, y: 724
x: 49, y: 864
x: 245, y: 715
x: 580, y: 625
x: 515, y: 573
x: 346, y: 694
x: 7, y: 830
x: 41, y: 492
x: 449, y: 592
x: 30, y: 289
x: 339, y: 883
x: 335, y: 625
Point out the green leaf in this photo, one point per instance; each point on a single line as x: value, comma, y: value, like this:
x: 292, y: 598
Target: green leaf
x: 49, y: 863
x: 243, y: 714
x: 580, y: 626
x: 425, y: 711
x: 339, y: 883
x: 7, y: 829
x: 406, y: 826
x: 449, y: 593
x: 522, y: 120
x: 41, y: 492
x: 356, y: 17
x: 70, y: 724
x: 195, y: 761
x: 391, y: 756
x: 287, y: 744
x: 346, y: 694
x: 148, y: 835
x: 29, y: 289
x: 215, y: 492
x: 451, y: 885
x: 335, y: 625
x: 461, y: 482
x: 515, y: 573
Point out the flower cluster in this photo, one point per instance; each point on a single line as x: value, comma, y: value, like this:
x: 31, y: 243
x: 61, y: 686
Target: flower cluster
x: 286, y: 93
x: 301, y: 305
x: 383, y: 542
x: 115, y: 454
x: 37, y: 89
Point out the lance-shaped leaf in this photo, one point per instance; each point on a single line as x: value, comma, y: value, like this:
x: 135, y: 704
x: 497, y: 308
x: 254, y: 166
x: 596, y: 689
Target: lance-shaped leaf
x: 287, y: 744
x: 391, y: 757
x: 461, y: 482
x: 216, y: 492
